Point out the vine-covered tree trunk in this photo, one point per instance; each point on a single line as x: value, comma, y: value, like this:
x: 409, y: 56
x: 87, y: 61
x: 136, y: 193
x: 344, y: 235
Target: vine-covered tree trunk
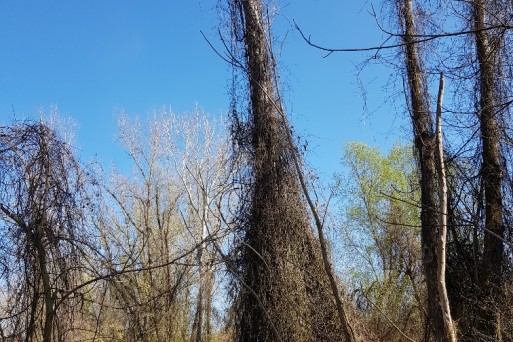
x: 285, y: 293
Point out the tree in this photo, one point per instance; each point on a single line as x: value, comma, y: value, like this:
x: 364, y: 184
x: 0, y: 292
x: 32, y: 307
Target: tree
x: 443, y: 209
x: 282, y: 275
x: 470, y: 42
x: 160, y: 223
x: 43, y: 205
x: 200, y: 159
x: 484, y: 13
x: 143, y: 233
x: 383, y: 229
x: 425, y: 146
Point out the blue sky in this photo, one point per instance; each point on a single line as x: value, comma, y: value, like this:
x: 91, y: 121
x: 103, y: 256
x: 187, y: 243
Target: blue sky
x: 91, y: 58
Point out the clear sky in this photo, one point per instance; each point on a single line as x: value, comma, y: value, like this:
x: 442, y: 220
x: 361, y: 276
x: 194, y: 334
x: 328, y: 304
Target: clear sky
x: 91, y: 58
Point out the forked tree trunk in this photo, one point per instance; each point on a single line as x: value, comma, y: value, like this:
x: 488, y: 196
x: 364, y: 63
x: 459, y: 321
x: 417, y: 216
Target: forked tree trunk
x: 493, y: 250
x: 425, y: 149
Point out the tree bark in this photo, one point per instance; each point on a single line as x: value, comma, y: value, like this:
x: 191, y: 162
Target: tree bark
x: 442, y: 233
x: 47, y: 288
x: 491, y: 172
x: 39, y: 231
x: 425, y: 149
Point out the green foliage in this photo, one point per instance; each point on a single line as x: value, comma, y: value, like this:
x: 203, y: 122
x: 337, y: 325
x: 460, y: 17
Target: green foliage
x: 382, y: 226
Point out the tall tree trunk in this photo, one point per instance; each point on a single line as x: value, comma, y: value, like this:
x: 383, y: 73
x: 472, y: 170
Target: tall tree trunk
x: 493, y: 250
x: 286, y: 294
x: 47, y: 287
x: 203, y: 277
x: 202, y: 298
x: 39, y: 232
x: 425, y: 148
x: 449, y: 327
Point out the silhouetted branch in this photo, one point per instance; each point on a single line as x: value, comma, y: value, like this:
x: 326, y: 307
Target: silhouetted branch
x: 419, y: 38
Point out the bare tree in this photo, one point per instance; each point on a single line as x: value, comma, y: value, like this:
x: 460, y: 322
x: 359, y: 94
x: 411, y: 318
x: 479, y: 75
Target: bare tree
x: 471, y: 42
x: 442, y: 230
x: 43, y: 202
x: 493, y: 250
x: 200, y: 160
x: 487, y: 38
x: 170, y: 205
x: 425, y: 149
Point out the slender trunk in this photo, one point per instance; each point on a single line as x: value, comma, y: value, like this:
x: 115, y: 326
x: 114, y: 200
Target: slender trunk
x: 424, y: 145
x: 208, y: 300
x: 202, y: 281
x: 47, y: 288
x: 200, y: 328
x: 39, y: 231
x: 199, y: 313
x: 493, y: 250
x: 442, y: 233
x: 33, y: 311
x: 344, y: 322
